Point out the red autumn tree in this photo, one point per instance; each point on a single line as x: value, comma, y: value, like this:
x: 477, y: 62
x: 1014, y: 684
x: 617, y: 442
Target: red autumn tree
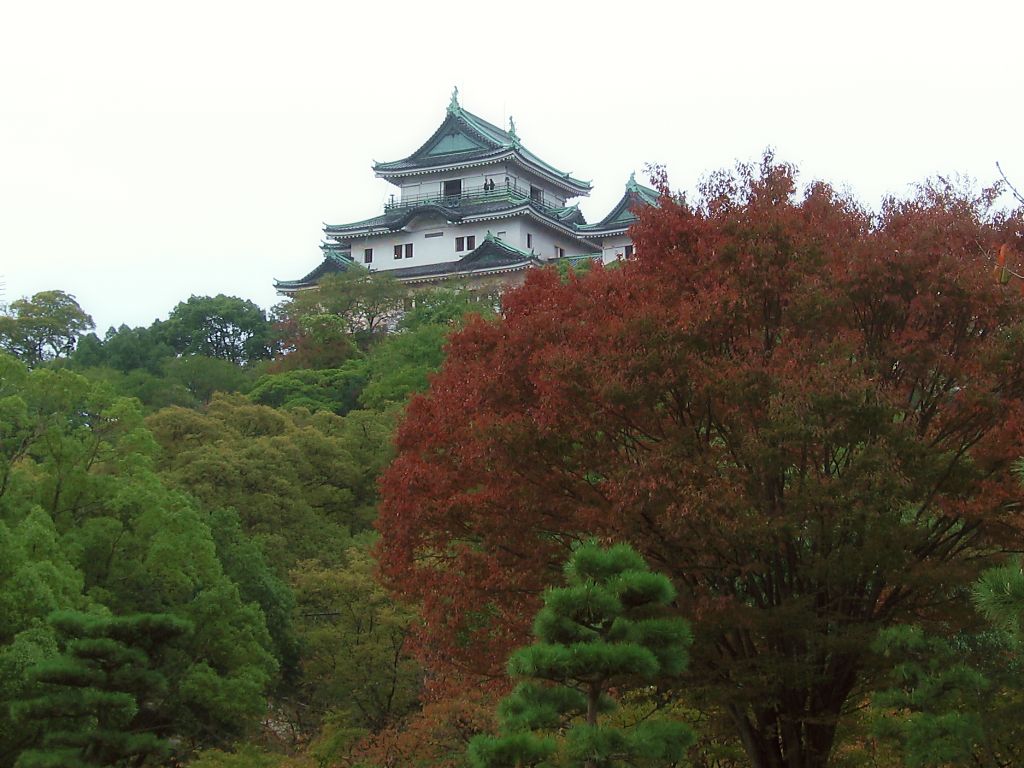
x: 803, y: 413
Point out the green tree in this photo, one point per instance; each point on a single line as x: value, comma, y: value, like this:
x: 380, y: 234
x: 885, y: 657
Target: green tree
x: 323, y: 327
x: 356, y: 669
x: 400, y: 365
x: 945, y: 700
x: 606, y: 631
x: 93, y: 525
x: 128, y: 349
x: 102, y: 697
x: 302, y: 483
x: 245, y: 564
x: 45, y: 327
x: 36, y: 578
x: 223, y: 327
x: 202, y: 376
x: 999, y: 596
x: 331, y: 389
x: 446, y: 306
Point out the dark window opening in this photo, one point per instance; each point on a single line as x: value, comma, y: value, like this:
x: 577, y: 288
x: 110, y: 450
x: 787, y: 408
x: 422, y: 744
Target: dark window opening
x: 368, y: 256
x: 398, y: 251
x: 628, y: 251
x: 536, y: 194
x: 453, y: 188
x: 471, y: 242
x: 408, y: 250
x: 529, y: 240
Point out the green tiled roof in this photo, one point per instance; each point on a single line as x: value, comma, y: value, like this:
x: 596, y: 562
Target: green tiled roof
x: 466, y: 138
x: 566, y: 219
x: 622, y: 216
x: 334, y: 261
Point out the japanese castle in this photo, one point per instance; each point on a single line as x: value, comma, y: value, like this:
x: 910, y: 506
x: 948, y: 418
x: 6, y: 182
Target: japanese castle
x: 475, y: 205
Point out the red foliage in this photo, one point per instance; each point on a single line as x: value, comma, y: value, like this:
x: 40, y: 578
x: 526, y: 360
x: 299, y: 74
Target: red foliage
x: 435, y: 737
x: 803, y: 413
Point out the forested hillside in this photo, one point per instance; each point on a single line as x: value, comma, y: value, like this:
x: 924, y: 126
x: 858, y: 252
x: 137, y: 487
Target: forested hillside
x: 318, y: 538
x: 187, y: 515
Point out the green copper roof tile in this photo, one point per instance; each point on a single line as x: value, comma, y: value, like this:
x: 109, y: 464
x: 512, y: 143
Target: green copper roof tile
x: 464, y: 137
x: 622, y: 215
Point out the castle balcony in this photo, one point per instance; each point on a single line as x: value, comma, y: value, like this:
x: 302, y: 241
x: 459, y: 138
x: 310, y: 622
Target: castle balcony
x: 509, y: 192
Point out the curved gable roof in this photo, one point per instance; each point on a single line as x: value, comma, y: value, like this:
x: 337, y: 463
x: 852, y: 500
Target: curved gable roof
x: 465, y: 138
x: 622, y: 215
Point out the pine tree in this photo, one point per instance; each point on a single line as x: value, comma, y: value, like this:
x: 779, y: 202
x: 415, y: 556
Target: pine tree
x: 92, y: 713
x: 605, y: 631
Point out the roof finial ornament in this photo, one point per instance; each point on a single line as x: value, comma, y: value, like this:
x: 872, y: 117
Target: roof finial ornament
x: 512, y: 131
x: 453, y: 105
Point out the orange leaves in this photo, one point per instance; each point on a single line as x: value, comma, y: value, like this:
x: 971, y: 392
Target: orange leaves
x: 1004, y: 270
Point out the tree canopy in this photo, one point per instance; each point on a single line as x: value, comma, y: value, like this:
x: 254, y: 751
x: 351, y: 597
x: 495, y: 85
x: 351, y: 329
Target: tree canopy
x: 86, y: 524
x: 602, y: 632
x: 224, y: 327
x: 803, y: 413
x: 45, y: 327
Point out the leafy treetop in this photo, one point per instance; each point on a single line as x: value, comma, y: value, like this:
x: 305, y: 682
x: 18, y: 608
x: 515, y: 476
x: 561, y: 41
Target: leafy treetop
x: 804, y: 413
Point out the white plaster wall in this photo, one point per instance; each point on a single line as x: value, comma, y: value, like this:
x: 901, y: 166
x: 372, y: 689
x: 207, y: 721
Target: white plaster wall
x: 441, y: 249
x: 426, y: 250
x: 544, y: 241
x: 513, y: 229
x: 613, y: 248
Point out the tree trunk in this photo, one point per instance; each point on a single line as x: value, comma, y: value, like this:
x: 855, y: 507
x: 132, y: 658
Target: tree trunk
x: 799, y: 736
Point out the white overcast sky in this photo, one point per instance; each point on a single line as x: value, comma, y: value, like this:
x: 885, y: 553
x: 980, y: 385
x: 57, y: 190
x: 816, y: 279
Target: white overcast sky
x: 151, y: 151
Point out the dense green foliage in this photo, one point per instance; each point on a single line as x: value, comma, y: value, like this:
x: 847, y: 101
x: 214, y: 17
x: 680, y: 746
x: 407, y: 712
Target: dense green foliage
x: 45, y: 327
x: 222, y: 327
x: 101, y: 699
x: 607, y: 630
x: 245, y: 518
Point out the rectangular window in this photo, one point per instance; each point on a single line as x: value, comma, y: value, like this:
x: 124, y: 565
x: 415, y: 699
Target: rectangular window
x: 408, y: 250
x: 471, y: 242
x: 434, y: 234
x: 629, y: 251
x: 452, y: 188
x: 368, y: 256
x: 537, y: 194
x: 559, y: 252
x: 529, y: 240
x: 398, y: 251
x: 460, y: 243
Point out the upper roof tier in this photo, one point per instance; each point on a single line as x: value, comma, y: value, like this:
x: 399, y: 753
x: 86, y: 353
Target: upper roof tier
x: 502, y: 203
x: 464, y: 140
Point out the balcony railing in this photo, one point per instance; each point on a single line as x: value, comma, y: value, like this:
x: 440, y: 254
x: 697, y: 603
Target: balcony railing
x: 507, y: 192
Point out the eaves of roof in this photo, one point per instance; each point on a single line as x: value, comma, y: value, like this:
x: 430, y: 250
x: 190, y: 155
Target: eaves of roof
x: 395, y: 220
x: 493, y: 145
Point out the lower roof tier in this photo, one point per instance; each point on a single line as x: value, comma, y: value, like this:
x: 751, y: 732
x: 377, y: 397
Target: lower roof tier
x: 492, y: 256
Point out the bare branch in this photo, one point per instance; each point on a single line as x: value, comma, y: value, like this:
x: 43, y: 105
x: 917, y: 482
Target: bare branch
x: 1013, y: 189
